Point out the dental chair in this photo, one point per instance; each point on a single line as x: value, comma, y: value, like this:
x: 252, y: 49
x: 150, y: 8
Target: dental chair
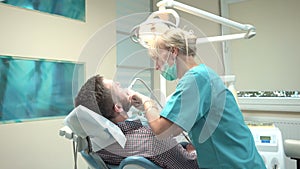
x: 292, y: 150
x: 91, y: 132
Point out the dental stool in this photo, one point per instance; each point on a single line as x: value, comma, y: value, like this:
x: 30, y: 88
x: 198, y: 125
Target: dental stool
x: 292, y: 150
x: 91, y: 132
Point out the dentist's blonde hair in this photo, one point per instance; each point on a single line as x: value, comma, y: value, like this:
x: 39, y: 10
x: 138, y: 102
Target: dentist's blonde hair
x: 174, y: 38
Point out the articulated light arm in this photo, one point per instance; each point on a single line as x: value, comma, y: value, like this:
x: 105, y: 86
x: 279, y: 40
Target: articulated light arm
x: 250, y: 30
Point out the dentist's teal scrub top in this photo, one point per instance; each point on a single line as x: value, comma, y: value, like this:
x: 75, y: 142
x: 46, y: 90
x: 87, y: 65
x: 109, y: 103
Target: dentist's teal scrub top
x: 207, y: 110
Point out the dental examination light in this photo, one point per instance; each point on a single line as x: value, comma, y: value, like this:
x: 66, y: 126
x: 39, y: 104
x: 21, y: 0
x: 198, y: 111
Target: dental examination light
x: 158, y: 22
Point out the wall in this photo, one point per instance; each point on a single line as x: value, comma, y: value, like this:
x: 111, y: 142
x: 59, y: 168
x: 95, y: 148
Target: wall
x: 269, y: 61
x: 26, y: 33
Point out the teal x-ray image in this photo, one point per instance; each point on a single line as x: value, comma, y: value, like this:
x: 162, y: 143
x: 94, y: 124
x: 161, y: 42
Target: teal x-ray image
x: 74, y: 9
x: 36, y: 88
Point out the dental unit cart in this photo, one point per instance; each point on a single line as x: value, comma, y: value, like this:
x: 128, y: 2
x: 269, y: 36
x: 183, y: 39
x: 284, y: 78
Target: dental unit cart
x: 268, y: 140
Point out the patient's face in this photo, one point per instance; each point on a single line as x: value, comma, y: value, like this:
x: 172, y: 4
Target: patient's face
x: 119, y: 94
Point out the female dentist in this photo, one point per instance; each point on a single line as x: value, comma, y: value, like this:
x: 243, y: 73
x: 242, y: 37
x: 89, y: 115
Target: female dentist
x: 201, y: 105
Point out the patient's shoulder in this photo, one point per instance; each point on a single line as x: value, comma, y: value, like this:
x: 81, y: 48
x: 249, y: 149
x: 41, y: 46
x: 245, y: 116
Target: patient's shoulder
x: 127, y: 126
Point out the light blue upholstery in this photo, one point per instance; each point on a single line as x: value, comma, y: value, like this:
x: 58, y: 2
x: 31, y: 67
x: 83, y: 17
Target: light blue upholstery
x: 93, y: 161
x: 138, y: 162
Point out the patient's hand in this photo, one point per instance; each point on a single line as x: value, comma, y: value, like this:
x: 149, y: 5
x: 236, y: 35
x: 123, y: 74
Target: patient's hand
x: 190, y: 148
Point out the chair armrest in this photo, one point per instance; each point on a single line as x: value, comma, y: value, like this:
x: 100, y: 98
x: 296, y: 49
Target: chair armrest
x: 139, y: 161
x: 292, y: 148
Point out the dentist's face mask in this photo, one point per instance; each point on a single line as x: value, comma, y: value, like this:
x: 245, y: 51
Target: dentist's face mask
x: 169, y: 72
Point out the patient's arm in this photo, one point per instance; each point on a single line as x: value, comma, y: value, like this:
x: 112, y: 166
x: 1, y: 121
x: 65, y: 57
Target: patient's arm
x: 181, y: 157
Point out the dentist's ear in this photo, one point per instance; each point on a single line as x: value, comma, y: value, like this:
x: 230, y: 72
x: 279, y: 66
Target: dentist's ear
x: 175, y: 51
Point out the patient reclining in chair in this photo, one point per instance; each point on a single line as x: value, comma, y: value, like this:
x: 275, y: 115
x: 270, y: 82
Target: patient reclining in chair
x: 108, y: 99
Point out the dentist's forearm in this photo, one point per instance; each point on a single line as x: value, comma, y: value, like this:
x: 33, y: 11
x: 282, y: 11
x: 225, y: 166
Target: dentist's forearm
x: 151, y: 110
x: 160, y: 126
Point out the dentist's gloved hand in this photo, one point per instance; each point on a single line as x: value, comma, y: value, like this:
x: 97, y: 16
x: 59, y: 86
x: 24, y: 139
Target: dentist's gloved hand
x: 137, y: 100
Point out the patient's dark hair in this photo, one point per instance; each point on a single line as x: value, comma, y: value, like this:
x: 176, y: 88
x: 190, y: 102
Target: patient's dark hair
x: 94, y: 96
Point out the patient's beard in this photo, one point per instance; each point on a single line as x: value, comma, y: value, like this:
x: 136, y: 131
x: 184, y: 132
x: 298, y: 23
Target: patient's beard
x: 126, y: 105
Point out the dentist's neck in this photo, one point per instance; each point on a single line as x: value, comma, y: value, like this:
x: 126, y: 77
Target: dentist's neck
x: 185, y: 63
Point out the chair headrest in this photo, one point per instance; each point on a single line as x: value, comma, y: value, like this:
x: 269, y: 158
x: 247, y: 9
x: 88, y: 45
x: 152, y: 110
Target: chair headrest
x: 102, y: 132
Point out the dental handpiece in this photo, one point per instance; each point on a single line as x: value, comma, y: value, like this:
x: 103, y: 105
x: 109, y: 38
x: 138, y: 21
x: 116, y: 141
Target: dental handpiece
x: 155, y: 98
x: 132, y: 83
x: 148, y: 88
